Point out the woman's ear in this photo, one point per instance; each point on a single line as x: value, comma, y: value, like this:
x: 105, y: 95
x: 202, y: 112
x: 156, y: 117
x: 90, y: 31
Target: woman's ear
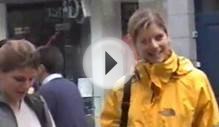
x: 41, y: 70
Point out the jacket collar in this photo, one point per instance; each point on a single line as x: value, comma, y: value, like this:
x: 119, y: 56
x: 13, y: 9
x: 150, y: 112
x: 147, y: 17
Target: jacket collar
x: 51, y: 77
x: 2, y: 97
x: 161, y: 73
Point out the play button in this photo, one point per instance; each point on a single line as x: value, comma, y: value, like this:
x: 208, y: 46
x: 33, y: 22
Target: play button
x: 107, y: 61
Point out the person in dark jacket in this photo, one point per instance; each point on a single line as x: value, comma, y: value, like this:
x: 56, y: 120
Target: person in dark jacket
x: 19, y: 63
x: 62, y: 96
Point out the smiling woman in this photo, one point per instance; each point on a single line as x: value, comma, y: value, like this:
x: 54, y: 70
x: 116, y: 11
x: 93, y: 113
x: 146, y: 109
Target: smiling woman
x: 165, y: 90
x: 18, y: 66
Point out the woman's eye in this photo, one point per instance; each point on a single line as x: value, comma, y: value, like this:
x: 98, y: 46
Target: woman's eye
x: 159, y: 37
x: 20, y: 79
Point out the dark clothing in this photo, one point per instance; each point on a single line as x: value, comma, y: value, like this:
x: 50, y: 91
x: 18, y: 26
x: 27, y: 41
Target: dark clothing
x: 7, y: 116
x: 65, y: 103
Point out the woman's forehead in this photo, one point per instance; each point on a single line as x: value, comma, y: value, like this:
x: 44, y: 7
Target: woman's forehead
x: 151, y: 30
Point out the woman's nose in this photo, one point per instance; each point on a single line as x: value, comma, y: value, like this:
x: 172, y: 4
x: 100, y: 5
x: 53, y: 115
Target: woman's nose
x: 154, y: 44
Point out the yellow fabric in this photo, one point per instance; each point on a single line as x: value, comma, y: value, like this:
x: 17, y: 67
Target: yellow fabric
x: 182, y: 97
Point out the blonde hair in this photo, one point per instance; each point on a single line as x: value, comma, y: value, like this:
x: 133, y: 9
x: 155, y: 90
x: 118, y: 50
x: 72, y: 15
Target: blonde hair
x: 15, y: 54
x: 142, y: 19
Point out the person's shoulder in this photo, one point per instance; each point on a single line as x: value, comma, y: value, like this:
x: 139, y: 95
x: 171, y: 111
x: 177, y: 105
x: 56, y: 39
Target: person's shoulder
x: 121, y: 84
x: 65, y: 82
x: 68, y: 81
x: 62, y: 85
x: 186, y: 68
x: 60, y: 81
x: 34, y: 98
x: 197, y: 74
x: 49, y: 87
x: 55, y: 83
x: 195, y: 80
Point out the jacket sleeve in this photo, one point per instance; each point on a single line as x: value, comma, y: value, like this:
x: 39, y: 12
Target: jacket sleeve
x: 207, y: 114
x: 110, y: 116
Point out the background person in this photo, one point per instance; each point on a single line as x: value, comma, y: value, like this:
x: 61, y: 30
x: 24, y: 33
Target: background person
x: 62, y: 96
x: 18, y: 66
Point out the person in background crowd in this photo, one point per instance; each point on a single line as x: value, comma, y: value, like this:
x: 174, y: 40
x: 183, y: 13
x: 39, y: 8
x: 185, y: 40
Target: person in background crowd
x: 166, y: 90
x: 62, y: 95
x: 18, y: 66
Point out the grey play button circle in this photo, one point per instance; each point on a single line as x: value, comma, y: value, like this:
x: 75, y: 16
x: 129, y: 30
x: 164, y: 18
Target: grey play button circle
x: 107, y: 61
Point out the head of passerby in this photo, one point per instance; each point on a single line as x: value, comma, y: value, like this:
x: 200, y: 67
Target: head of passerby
x: 18, y: 66
x: 51, y: 61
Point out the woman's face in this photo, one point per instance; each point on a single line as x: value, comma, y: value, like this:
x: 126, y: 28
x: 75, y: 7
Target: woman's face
x: 152, y: 44
x: 15, y: 84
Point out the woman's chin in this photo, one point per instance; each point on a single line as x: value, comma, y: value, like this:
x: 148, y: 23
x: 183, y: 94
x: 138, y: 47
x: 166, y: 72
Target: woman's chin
x: 156, y: 60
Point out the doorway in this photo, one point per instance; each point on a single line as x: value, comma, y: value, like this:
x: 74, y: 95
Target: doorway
x: 207, y: 25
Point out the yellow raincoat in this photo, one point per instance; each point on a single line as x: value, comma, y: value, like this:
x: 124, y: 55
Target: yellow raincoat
x: 171, y: 94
